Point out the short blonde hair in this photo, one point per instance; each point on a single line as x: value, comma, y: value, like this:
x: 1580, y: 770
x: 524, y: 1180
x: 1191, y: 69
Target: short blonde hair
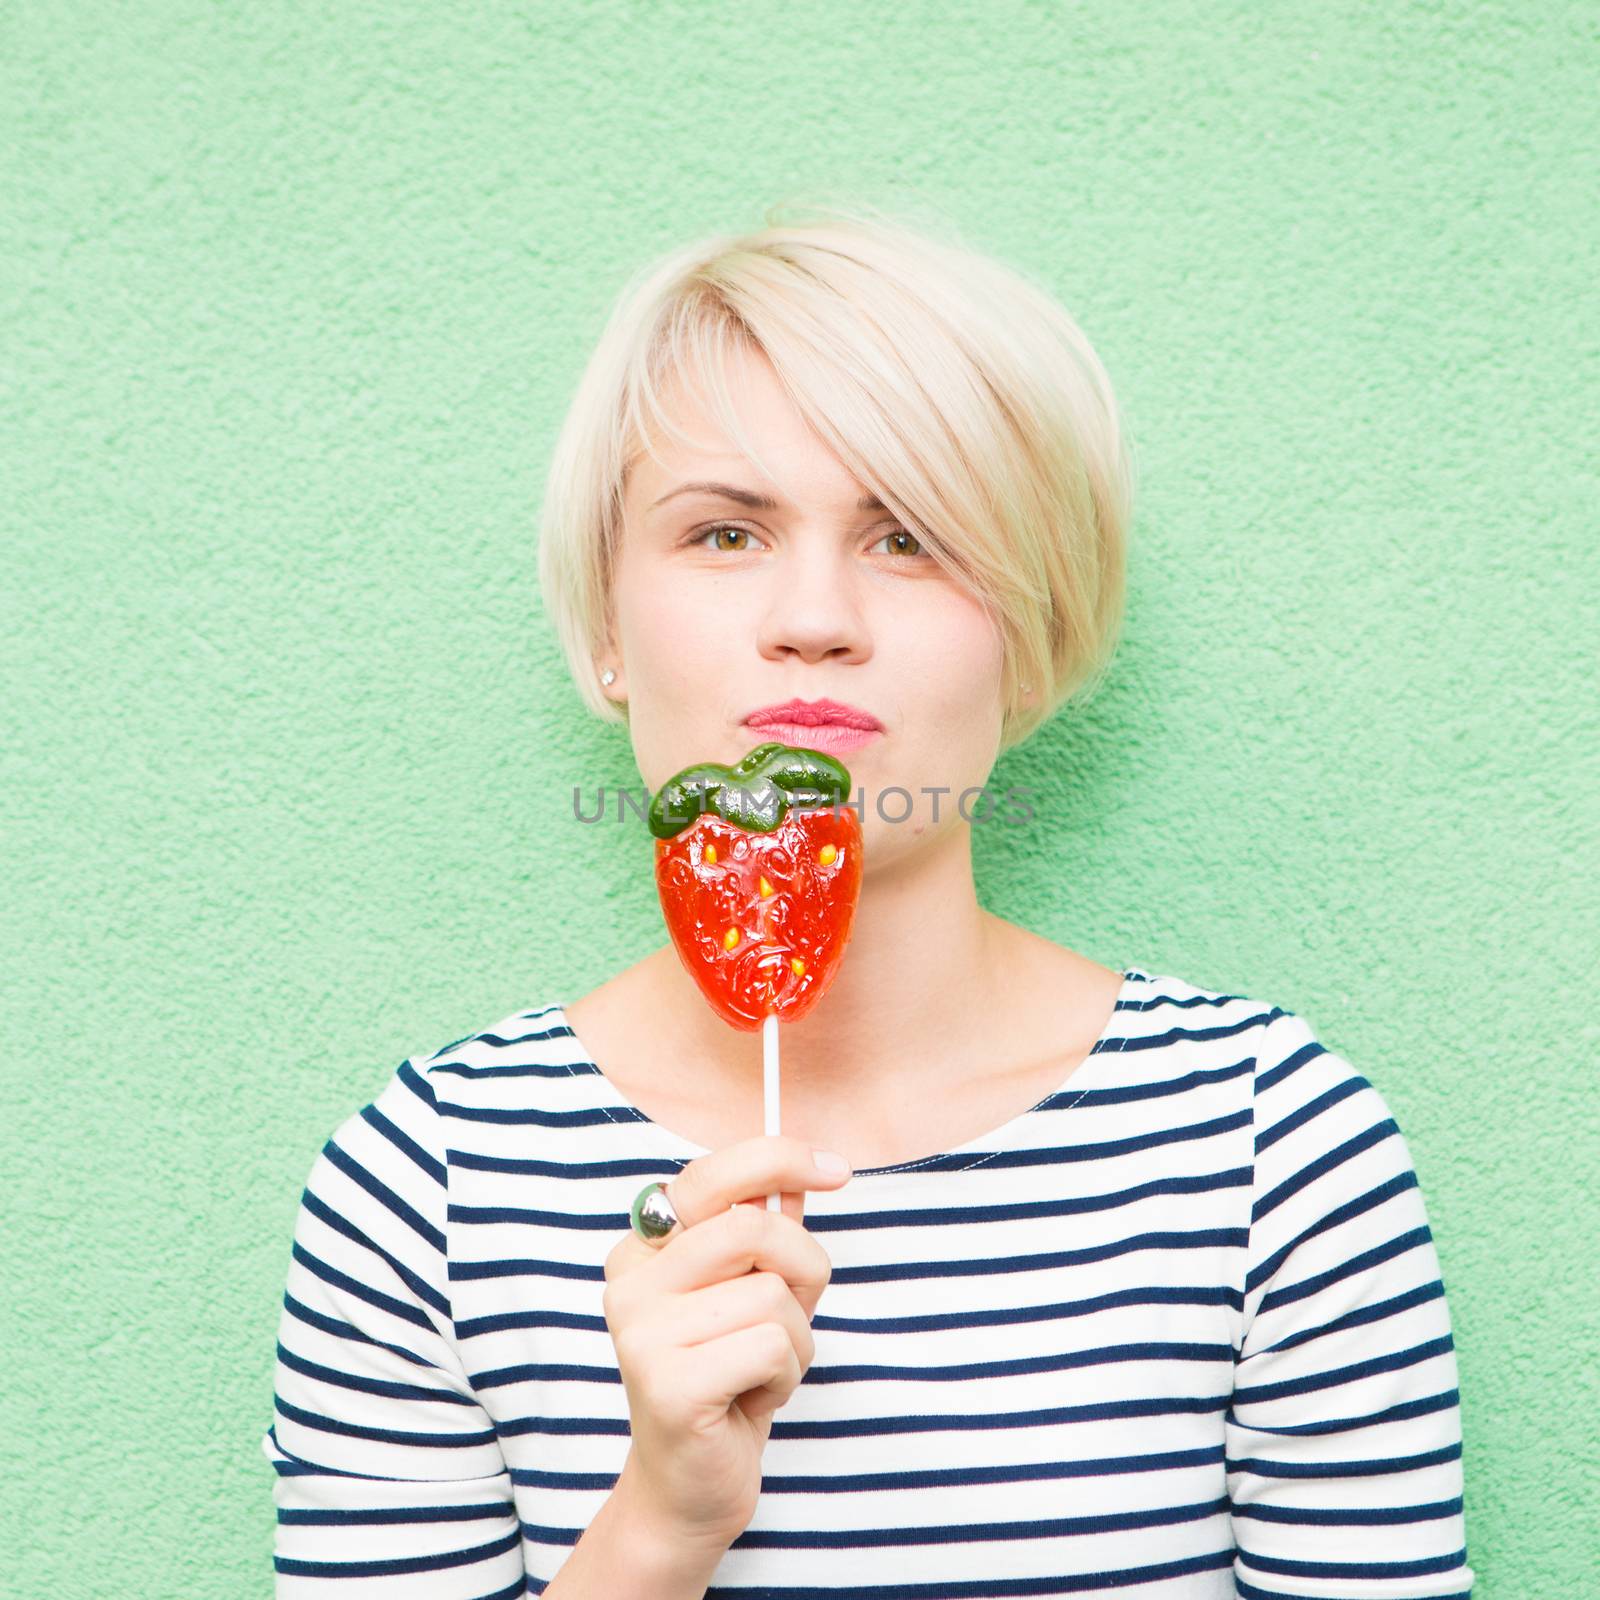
x: 952, y: 386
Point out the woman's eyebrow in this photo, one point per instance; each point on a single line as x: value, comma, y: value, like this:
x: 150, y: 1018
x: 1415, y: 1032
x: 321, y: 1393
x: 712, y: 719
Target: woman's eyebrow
x: 750, y: 497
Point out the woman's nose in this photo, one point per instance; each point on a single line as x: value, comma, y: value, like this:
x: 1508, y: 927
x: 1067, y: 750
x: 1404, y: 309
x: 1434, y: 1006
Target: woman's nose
x: 812, y: 610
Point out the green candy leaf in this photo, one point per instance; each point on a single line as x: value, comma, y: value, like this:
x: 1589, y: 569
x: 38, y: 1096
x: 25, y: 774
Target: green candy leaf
x: 755, y: 792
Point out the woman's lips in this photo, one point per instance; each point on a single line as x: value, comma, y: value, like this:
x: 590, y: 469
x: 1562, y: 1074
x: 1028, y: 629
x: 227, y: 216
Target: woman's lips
x: 832, y: 738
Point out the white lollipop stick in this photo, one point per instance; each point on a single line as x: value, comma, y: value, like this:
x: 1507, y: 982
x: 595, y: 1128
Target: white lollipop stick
x: 769, y: 1086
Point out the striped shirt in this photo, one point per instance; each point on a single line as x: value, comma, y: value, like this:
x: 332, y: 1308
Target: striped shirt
x: 1177, y: 1331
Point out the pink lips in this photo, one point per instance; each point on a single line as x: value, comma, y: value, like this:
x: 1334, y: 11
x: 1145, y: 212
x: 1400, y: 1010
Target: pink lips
x: 826, y: 725
x: 814, y: 712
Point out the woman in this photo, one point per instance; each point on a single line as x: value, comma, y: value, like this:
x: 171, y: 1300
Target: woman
x: 1126, y: 1283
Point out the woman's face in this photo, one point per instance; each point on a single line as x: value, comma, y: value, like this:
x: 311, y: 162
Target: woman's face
x: 722, y: 607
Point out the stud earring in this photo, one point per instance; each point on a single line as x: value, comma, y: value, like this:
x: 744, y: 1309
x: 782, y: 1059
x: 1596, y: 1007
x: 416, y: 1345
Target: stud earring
x: 608, y: 676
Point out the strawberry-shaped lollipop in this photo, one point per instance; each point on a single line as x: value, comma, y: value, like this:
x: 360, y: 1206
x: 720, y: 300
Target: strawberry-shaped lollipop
x: 758, y: 866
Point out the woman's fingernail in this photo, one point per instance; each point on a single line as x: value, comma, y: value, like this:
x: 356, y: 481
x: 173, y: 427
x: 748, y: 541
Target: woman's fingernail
x: 829, y: 1161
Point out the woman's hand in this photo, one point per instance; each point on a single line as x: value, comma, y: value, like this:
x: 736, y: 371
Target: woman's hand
x: 713, y: 1333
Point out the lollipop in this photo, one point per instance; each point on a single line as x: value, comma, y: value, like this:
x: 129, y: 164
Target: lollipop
x: 758, y: 867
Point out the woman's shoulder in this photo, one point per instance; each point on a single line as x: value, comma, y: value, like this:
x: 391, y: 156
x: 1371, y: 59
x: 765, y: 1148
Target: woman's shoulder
x: 1266, y: 1042
x: 506, y: 1058
x: 503, y: 1072
x: 1157, y: 1009
x: 1318, y: 1131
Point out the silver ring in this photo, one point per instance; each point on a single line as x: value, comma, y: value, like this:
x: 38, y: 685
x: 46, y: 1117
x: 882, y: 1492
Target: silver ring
x: 652, y: 1215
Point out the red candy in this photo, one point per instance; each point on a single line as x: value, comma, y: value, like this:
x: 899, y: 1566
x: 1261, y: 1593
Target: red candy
x: 754, y: 952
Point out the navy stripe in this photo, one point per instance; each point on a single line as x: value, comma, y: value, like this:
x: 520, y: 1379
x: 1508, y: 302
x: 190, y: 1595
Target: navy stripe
x: 1368, y: 1258
x: 1188, y: 1002
x: 524, y: 1069
x: 1071, y: 1205
x: 896, y: 1538
x: 538, y: 1117
x: 1203, y: 1239
x: 504, y: 1321
x: 1427, y: 1405
x: 1188, y: 1036
x: 1309, y: 1112
x: 407, y: 1516
x: 595, y: 1116
x: 1250, y: 1591
x: 1341, y: 1375
x: 1324, y: 1165
x: 1066, y: 1361
x: 873, y: 1427
x: 1155, y: 1295
x: 1058, y: 1155
x: 352, y: 1430
x: 1110, y: 1355
x: 1273, y: 1076
x: 383, y: 1386
x: 981, y: 1589
x: 958, y: 1477
x: 1129, y: 1094
x: 400, y: 1566
x: 373, y: 1297
x: 908, y: 1216
x: 1350, y: 1516
x: 1357, y: 1570
x: 344, y: 1330
x: 1358, y: 1206
x: 1363, y: 1316
x: 641, y: 1167
x: 1344, y: 1469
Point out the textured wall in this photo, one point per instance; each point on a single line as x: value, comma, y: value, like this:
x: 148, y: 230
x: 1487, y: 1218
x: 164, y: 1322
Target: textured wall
x: 293, y: 300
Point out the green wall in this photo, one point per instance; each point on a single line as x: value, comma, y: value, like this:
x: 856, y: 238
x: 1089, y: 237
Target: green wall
x: 293, y: 301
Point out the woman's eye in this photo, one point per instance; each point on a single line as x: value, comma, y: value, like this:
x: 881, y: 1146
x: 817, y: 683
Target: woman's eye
x: 902, y: 534
x: 722, y: 527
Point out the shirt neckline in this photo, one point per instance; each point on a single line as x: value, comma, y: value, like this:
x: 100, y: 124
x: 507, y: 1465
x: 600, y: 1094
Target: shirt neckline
x: 1080, y: 1079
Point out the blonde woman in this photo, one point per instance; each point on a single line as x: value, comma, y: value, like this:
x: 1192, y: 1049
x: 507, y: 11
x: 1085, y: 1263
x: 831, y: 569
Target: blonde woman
x: 1086, y: 1277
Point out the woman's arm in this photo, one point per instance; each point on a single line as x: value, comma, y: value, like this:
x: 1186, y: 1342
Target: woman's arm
x: 1344, y: 1433
x: 386, y: 1464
